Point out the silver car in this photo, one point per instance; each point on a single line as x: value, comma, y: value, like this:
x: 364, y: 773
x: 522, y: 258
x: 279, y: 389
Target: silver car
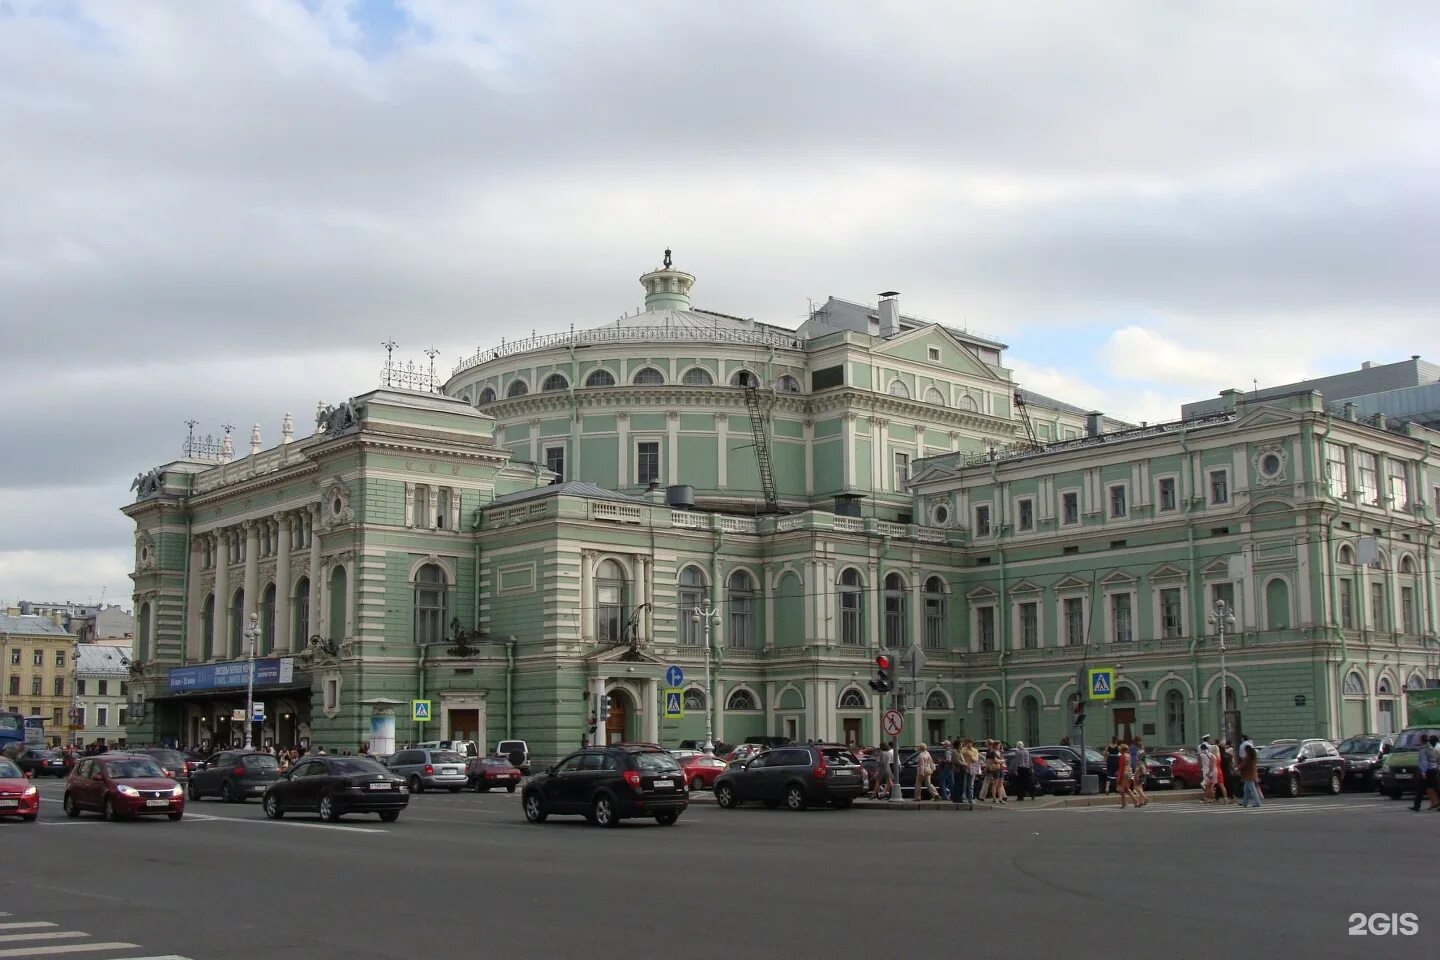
x: 430, y: 769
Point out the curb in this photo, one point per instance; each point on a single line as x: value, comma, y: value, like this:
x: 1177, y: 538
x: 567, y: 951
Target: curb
x: 1040, y: 803
x: 938, y: 806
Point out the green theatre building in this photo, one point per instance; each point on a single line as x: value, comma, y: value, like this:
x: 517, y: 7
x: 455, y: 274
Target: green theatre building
x: 573, y: 513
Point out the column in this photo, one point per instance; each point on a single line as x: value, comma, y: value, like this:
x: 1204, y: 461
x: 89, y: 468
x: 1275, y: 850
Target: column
x: 434, y: 502
x: 282, y: 585
x: 917, y: 608
x: 881, y: 475
x: 535, y: 442
x: 722, y: 450
x: 252, y: 570
x: 770, y: 690
x: 809, y: 426
x: 847, y: 448
x: 672, y: 447
x: 645, y: 582
x: 586, y: 627
x: 623, y: 458
x: 652, y: 711
x: 219, y: 631
x: 717, y: 700
x: 596, y: 693
x: 812, y: 599
x: 317, y: 579
x: 194, y: 602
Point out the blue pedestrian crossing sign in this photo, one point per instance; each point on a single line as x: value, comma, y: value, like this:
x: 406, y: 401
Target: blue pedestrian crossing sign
x: 420, y: 711
x: 674, y: 676
x: 674, y: 703
x: 1102, y: 683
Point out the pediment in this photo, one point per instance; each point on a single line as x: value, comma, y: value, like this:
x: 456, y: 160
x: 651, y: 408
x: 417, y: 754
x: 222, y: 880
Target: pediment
x: 1072, y: 582
x: 1167, y: 571
x: 625, y: 654
x: 1025, y: 586
x: 1118, y: 579
x: 965, y: 361
x: 1266, y: 416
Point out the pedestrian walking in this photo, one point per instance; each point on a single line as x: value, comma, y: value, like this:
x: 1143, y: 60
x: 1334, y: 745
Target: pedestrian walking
x: 945, y: 764
x: 1122, y: 775
x: 1228, y: 782
x: 971, y: 769
x: 924, y: 775
x: 1425, y: 779
x: 884, y: 778
x: 1208, y: 770
x: 1024, y: 772
x: 1112, y: 766
x: 1138, y: 771
x: 1250, y: 776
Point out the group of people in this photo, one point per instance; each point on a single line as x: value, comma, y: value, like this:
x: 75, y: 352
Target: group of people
x: 959, y: 772
x: 1125, y: 771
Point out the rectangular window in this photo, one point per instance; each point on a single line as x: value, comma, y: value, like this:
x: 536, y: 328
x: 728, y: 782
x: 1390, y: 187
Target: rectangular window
x: 332, y: 694
x: 1172, y: 613
x: 1407, y: 610
x: 1369, y: 465
x: 15, y: 657
x: 1026, y: 514
x: 1219, y: 487
x: 1074, y: 608
x: 102, y: 716
x: 1029, y: 626
x: 934, y: 621
x: 985, y: 627
x: 38, y: 658
x: 1119, y: 507
x: 421, y: 513
x: 1347, y: 603
x: 120, y: 718
x: 647, y: 462
x: 902, y: 471
x: 80, y: 687
x: 827, y: 377
x: 1070, y: 507
x: 59, y: 658
x: 34, y: 686
x: 1223, y: 591
x: 1337, y: 469
x: 1377, y: 605
x: 982, y: 520
x: 57, y: 716
x: 442, y: 509
x: 14, y: 685
x: 1120, y: 612
x: 555, y: 462
x: 933, y: 353
x: 59, y: 686
x: 1167, y: 494
x: 1397, y: 474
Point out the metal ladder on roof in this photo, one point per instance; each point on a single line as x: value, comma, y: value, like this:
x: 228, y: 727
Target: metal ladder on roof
x: 762, y: 448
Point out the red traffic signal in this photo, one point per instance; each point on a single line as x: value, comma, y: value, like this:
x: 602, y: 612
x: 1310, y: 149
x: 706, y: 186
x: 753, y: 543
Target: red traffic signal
x: 883, y: 662
x: 881, y: 683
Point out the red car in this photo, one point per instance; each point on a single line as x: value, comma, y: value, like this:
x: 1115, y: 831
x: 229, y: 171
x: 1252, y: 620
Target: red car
x: 18, y: 796
x: 487, y: 772
x: 123, y: 785
x: 701, y: 771
x: 1184, y: 765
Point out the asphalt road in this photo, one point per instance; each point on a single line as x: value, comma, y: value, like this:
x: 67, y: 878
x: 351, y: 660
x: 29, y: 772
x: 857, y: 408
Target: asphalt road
x: 465, y: 876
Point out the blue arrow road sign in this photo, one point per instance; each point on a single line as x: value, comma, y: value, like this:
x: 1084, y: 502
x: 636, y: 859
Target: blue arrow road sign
x: 674, y: 676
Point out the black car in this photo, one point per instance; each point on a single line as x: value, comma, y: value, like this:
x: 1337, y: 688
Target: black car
x: 1290, y: 766
x: 335, y: 786
x: 1054, y: 772
x: 38, y: 761
x: 1158, y: 775
x: 609, y: 784
x: 1363, y: 755
x: 176, y: 765
x: 234, y: 776
x: 796, y: 775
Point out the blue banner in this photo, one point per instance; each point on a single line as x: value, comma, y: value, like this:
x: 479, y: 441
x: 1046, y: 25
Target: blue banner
x: 236, y: 673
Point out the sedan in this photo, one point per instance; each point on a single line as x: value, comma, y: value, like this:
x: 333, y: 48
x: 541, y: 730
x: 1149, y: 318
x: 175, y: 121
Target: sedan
x: 41, y: 762
x: 335, y: 786
x: 487, y: 772
x: 1184, y: 765
x: 701, y: 770
x: 120, y: 786
x: 18, y: 796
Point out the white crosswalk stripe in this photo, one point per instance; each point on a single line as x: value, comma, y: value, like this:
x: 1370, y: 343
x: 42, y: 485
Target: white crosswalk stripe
x: 20, y: 939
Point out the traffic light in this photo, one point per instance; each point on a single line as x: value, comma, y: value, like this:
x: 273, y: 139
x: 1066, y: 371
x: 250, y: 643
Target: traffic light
x: 1078, y: 714
x: 881, y: 683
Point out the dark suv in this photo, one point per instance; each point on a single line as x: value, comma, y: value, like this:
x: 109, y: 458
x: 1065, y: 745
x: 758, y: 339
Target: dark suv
x: 234, y: 776
x: 1398, y: 770
x: 609, y: 784
x: 796, y: 775
x: 1289, y: 766
x: 1363, y: 755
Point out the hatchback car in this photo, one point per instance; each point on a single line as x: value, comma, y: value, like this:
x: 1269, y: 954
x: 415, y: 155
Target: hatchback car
x: 1290, y: 766
x: 335, y: 786
x: 796, y: 775
x: 18, y: 796
x: 488, y: 773
x: 609, y: 784
x: 234, y: 776
x: 122, y: 785
x: 701, y: 770
x: 430, y: 769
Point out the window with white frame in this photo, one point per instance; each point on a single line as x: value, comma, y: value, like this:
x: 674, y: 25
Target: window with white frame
x: 1407, y: 610
x: 1119, y: 502
x: 609, y: 602
x: 1377, y: 606
x: 1219, y: 487
x: 697, y: 377
x: 647, y: 461
x: 102, y: 716
x: 1070, y: 507
x: 1354, y: 684
x: 600, y: 378
x: 1369, y: 472
x: 442, y: 509
x: 741, y: 700
x: 1073, y: 609
x: 555, y: 462
x: 933, y: 353
x: 902, y: 471
x: 692, y: 599
x: 982, y: 520
x: 897, y: 614
x: 430, y: 604
x: 420, y: 512
x: 852, y: 608
x: 1337, y: 469
x: 985, y: 628
x: 1122, y: 618
x: 1172, y: 613
x: 1167, y: 499
x: 898, y: 389
x: 934, y: 613
x: 1347, y: 603
x: 1397, y: 473
x: 648, y: 377
x: 1029, y: 625
x: 741, y: 608
x: 1025, y: 513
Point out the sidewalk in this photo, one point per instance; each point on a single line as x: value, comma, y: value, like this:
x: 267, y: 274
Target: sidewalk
x: 704, y: 798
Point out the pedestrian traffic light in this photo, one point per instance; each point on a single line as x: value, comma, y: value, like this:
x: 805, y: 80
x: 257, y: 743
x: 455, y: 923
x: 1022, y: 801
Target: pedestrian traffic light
x: 881, y: 683
x: 1079, y: 713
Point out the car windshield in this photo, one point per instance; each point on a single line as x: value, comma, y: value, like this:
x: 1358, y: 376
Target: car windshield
x: 8, y: 769
x: 350, y: 765
x: 510, y: 746
x: 1360, y: 746
x: 261, y: 761
x: 9, y: 722
x: 840, y: 757
x: 654, y: 761
x: 1410, y: 739
x: 132, y: 769
x: 42, y: 754
x: 1280, y: 751
x: 495, y: 762
x: 169, y: 758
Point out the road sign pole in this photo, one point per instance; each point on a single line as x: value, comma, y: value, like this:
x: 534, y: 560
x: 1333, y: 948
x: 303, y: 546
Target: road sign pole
x: 1081, y: 696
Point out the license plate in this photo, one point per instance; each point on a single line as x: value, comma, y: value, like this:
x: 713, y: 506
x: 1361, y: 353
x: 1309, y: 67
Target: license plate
x: 844, y: 773
x: 1404, y: 776
x: 379, y: 786
x: 664, y: 784
x: 157, y: 802
x: 9, y: 803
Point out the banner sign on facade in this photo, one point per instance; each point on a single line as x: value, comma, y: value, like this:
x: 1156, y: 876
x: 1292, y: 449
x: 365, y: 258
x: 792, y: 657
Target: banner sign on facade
x: 236, y: 673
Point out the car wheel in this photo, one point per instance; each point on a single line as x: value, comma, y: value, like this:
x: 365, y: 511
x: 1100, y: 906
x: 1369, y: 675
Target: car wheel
x: 534, y: 808
x: 697, y: 784
x: 107, y: 810
x: 1292, y: 786
x: 328, y: 811
x: 175, y: 816
x: 843, y: 803
x: 192, y: 792
x: 389, y: 816
x: 29, y: 817
x: 1396, y: 795
x: 273, y: 810
x: 481, y: 789
x: 227, y: 793
x: 510, y: 789
x: 1335, y: 783
x: 72, y: 809
x: 795, y: 797
x: 604, y: 812
x: 454, y: 789
x: 417, y: 785
x: 725, y: 797
x: 668, y: 818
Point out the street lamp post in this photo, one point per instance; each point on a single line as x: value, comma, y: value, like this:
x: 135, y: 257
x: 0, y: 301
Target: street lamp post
x: 1222, y: 619
x: 708, y: 615
x: 252, y: 634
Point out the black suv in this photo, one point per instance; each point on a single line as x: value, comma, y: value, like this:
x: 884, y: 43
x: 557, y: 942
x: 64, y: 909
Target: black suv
x: 797, y: 775
x: 1363, y: 755
x: 1289, y: 766
x: 609, y: 784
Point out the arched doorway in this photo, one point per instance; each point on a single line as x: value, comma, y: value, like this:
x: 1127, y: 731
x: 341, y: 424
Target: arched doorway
x: 1122, y: 713
x: 617, y: 722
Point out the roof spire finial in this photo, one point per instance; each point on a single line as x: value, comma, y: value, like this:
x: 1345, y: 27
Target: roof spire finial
x: 667, y: 258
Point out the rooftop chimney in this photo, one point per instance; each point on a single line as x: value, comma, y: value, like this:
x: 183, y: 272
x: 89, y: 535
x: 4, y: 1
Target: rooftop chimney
x: 1092, y: 423
x: 1367, y: 365
x: 1349, y: 411
x: 889, y: 313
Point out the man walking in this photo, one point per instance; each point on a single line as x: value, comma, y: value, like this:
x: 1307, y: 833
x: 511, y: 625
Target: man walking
x: 1024, y: 771
x: 1425, y: 779
x: 946, y: 761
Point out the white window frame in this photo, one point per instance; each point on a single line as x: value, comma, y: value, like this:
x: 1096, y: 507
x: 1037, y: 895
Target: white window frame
x: 899, y: 469
x: 994, y: 607
x: 1062, y: 632
x: 1159, y: 611
x: 1402, y: 500
x: 1075, y: 492
x: 1020, y: 502
x: 989, y: 509
x: 1370, y: 496
x: 1339, y: 486
x: 1174, y: 480
x: 1210, y: 487
x: 1110, y: 621
x: 639, y: 441
x: 1110, y: 489
x: 546, y: 453
x: 933, y: 353
x: 1018, y: 622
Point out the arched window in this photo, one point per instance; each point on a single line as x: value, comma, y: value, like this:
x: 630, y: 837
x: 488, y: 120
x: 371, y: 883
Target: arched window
x: 1345, y: 555
x: 207, y: 628
x: 609, y: 602
x: 742, y: 611
x: 600, y: 378
x: 649, y: 377
x: 697, y: 377
x: 968, y: 404
x: 518, y: 388
x: 430, y: 597
x: 1175, y: 718
x: 1384, y: 687
x: 267, y: 619
x: 1407, y: 564
x: 142, y: 634
x: 695, y: 699
x: 933, y: 395
x: 237, y: 623
x: 692, y: 600
x: 936, y: 701
x: 1385, y: 705
x: 852, y: 699
x: 1354, y: 684
x: 487, y: 395
x: 1030, y: 719
x: 1379, y: 563
x: 987, y: 719
x: 1277, y: 604
x: 787, y: 384
x: 741, y: 700
x: 895, y: 612
x: 556, y: 381
x: 1416, y: 682
x: 898, y: 389
x: 935, y: 613
x: 300, y: 636
x: 744, y: 378
x: 852, y: 608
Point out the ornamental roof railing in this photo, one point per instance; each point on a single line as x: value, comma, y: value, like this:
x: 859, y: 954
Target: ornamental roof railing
x: 1025, y: 450
x: 634, y: 334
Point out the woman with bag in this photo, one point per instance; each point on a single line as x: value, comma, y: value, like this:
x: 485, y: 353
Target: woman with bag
x: 924, y: 775
x: 971, y: 769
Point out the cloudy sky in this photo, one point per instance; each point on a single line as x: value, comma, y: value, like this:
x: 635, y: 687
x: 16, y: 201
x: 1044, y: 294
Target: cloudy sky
x: 220, y: 210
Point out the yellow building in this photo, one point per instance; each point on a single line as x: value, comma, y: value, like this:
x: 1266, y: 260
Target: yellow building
x: 36, y: 653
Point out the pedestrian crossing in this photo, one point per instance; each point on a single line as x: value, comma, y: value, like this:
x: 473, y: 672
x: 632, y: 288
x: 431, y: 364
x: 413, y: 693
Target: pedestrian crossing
x: 1271, y: 808
x: 40, y: 939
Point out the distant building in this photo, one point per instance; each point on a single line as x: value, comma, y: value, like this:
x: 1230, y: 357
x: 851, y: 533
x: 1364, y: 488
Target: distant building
x: 36, y: 652
x: 102, y: 677
x: 108, y: 624
x: 1380, y: 392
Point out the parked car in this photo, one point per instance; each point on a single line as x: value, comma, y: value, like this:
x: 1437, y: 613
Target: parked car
x: 37, y: 760
x: 335, y: 786
x: 430, y: 769
x: 177, y: 766
x: 1184, y: 765
x: 1158, y: 774
x: 797, y: 775
x: 1290, y: 766
x: 1057, y: 769
x: 18, y: 796
x: 742, y: 753
x: 122, y: 785
x: 492, y: 772
x: 466, y: 748
x: 1397, y: 773
x: 701, y: 770
x: 718, y: 748
x: 518, y: 753
x: 235, y: 776
x: 1363, y: 755
x: 609, y: 784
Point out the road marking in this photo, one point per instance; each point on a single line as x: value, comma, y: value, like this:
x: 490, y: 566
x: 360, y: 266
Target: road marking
x: 168, y: 956
x: 28, y: 925
x: 66, y: 948
x: 59, y: 935
x: 310, y: 826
